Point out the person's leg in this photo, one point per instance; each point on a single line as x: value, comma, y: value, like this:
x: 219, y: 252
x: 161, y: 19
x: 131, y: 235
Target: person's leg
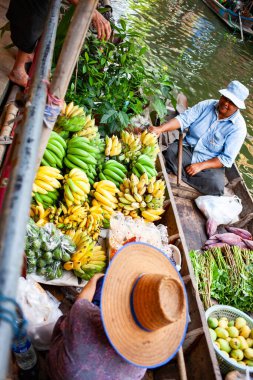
x: 27, y: 19
x: 18, y: 73
x: 171, y: 158
x: 208, y: 182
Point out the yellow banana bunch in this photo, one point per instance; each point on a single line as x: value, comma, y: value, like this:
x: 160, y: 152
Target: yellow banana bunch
x: 41, y: 215
x: 87, y: 261
x: 131, y: 146
x: 76, y: 187
x: 105, y: 192
x: 113, y: 146
x: 47, y: 180
x: 70, y: 110
x: 140, y: 196
x: 151, y: 215
x: 148, y: 139
x: 75, y: 217
x: 89, y: 130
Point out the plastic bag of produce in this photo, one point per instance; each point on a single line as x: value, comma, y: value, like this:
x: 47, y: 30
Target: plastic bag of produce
x: 50, y: 236
x: 223, y: 209
x: 41, y: 311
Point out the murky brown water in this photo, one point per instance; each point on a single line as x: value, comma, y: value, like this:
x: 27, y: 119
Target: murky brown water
x: 201, y: 53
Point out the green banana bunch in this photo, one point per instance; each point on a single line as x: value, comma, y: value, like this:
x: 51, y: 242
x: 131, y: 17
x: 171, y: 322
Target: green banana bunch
x: 89, y: 130
x: 144, y: 164
x: 55, y: 151
x: 113, y: 171
x: 72, y: 118
x: 83, y: 155
x: 48, y: 199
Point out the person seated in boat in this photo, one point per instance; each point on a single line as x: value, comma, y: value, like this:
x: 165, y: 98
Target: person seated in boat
x: 27, y: 19
x: 141, y: 322
x: 216, y: 132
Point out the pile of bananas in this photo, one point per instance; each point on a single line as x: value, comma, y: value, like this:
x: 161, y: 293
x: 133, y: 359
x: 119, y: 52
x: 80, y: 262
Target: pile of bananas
x: 89, y: 130
x: 141, y: 197
x: 83, y: 155
x: 88, y: 259
x: 105, y: 197
x: 72, y: 217
x: 154, y: 199
x: 113, y: 146
x: 148, y: 139
x: 76, y: 187
x: 113, y: 171
x: 55, y: 151
x: 40, y: 215
x: 72, y: 118
x: 131, y: 195
x: 131, y: 146
x: 150, y: 145
x: 94, y: 221
x: 144, y: 164
x: 46, y: 184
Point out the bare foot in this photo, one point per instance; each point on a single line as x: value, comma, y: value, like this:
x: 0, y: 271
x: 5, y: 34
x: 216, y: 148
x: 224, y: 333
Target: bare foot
x: 19, y: 77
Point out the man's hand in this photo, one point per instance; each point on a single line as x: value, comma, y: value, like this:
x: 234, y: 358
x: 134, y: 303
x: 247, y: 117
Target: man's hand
x: 102, y: 26
x: 193, y: 169
x: 156, y: 130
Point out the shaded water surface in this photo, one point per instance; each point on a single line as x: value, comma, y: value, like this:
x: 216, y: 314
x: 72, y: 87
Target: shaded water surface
x: 201, y: 53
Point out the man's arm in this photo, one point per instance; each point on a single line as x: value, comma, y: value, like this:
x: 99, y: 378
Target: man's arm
x: 171, y: 125
x: 89, y: 290
x: 213, y: 163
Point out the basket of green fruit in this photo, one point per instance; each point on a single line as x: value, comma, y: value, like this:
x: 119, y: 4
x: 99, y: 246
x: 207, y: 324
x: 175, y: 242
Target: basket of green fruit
x: 232, y: 334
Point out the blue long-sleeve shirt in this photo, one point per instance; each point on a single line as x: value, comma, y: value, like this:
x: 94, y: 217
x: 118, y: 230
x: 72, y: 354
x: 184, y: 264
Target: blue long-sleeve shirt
x: 210, y: 137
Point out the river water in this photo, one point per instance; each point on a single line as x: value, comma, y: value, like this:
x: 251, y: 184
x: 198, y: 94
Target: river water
x: 201, y: 53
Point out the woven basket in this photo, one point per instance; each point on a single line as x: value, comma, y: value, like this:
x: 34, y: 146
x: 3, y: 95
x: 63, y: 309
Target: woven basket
x: 218, y: 311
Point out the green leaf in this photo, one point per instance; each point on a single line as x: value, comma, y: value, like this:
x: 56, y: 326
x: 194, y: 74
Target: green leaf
x: 107, y: 115
x: 86, y: 56
x: 123, y: 118
x: 90, y: 81
x: 123, y: 24
x: 159, y: 107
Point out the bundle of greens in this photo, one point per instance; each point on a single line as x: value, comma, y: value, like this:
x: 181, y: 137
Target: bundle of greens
x: 225, y: 274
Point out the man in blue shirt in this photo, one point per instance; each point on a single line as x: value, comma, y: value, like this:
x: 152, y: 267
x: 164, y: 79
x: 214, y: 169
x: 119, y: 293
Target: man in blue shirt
x: 216, y: 132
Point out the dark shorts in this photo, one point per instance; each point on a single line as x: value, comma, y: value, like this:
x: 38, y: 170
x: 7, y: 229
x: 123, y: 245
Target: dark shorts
x: 27, y: 20
x: 209, y: 182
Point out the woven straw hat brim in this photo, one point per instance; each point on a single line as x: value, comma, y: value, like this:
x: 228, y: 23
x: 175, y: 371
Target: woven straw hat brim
x: 137, y: 346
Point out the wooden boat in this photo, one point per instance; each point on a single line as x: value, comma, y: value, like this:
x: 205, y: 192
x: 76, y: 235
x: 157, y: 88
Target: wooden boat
x: 232, y: 19
x: 186, y: 228
x: 198, y: 356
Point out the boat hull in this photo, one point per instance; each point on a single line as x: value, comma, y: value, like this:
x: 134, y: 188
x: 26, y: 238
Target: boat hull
x: 230, y: 18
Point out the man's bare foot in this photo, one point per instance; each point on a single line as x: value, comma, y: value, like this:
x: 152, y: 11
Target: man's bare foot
x: 19, y: 77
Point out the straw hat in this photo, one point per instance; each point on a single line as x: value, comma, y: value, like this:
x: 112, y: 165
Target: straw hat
x: 144, y: 306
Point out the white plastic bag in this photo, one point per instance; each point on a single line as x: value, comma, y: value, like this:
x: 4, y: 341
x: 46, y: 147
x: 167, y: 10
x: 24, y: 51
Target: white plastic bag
x: 222, y: 209
x: 41, y: 310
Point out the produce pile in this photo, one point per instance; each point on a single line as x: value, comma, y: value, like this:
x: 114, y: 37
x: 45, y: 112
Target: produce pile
x: 46, y: 249
x: 234, y: 237
x: 84, y: 179
x: 234, y: 339
x: 225, y: 275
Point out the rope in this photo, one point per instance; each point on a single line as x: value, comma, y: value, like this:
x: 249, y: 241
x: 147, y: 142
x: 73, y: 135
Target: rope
x: 14, y: 318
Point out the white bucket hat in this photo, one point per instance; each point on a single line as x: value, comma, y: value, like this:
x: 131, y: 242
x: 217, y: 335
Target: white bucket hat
x: 236, y: 92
